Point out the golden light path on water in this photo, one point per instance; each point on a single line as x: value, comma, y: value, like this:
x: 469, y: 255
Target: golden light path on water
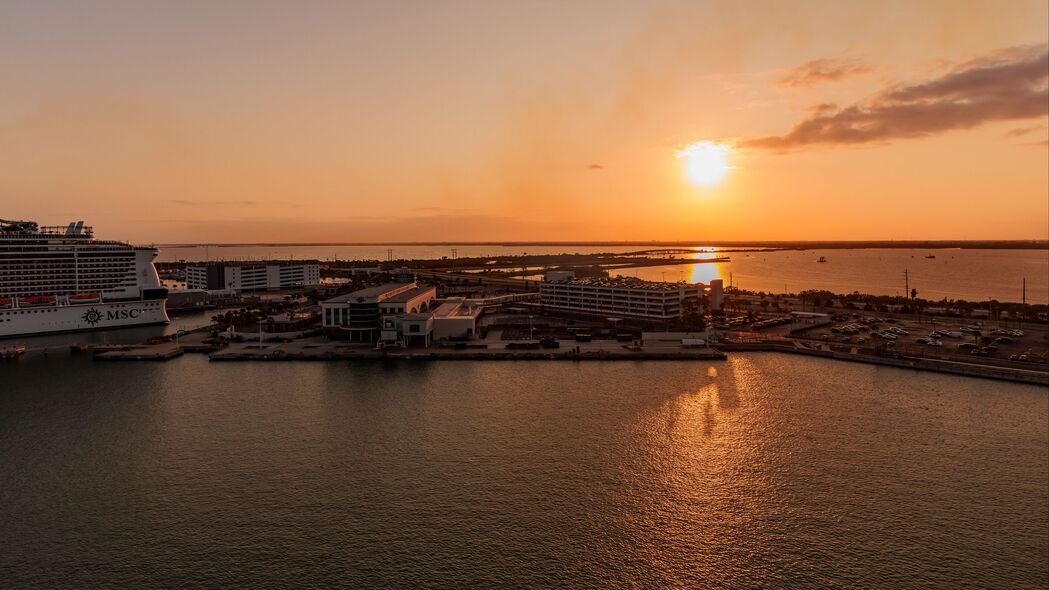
x: 707, y: 271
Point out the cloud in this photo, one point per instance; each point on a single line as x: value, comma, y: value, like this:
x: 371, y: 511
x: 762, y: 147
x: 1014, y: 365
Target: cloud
x: 1022, y: 131
x: 214, y: 203
x: 1004, y: 85
x: 443, y: 210
x: 823, y: 107
x: 823, y: 71
x: 595, y: 167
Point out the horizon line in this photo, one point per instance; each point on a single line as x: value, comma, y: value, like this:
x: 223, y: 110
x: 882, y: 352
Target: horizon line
x: 941, y: 243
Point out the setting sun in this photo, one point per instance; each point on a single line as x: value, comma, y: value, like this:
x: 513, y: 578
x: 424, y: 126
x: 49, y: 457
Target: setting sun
x: 706, y: 163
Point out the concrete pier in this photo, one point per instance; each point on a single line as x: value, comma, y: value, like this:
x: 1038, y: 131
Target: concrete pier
x: 151, y: 352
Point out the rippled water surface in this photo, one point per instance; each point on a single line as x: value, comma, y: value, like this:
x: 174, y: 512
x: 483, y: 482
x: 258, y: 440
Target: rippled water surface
x: 762, y: 471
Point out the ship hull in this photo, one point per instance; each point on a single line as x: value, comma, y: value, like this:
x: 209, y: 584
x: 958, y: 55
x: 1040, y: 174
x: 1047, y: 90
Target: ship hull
x: 80, y: 317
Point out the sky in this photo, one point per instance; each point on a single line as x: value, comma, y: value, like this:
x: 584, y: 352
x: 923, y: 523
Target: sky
x: 255, y: 121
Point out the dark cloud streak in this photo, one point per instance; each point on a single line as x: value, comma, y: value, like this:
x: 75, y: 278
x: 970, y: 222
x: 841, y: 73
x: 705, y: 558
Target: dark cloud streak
x: 211, y: 203
x: 823, y: 71
x: 1022, y: 131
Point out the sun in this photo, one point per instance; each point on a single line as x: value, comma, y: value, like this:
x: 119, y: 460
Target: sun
x: 706, y: 163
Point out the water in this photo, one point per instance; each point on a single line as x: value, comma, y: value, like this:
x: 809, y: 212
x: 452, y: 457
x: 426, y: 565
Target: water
x: 745, y: 473
x: 970, y: 274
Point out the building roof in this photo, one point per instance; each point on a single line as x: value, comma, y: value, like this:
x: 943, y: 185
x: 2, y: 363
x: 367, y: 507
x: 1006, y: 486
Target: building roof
x: 623, y: 283
x: 410, y: 294
x: 457, y: 307
x: 376, y: 292
x: 253, y: 263
x: 365, y: 293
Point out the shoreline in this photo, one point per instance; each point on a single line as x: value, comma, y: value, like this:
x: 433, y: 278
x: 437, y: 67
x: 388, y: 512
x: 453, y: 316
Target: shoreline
x: 1033, y: 244
x: 167, y: 351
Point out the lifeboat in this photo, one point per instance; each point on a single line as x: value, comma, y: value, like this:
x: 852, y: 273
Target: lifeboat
x: 36, y: 301
x: 84, y: 298
x: 6, y: 302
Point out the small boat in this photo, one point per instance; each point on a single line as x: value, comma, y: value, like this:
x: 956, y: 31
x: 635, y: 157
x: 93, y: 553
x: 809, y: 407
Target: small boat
x: 84, y: 298
x: 36, y: 301
x: 822, y: 259
x: 6, y: 302
x: 12, y: 352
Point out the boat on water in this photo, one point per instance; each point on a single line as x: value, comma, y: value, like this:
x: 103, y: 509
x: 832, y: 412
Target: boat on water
x: 822, y: 259
x: 61, y: 279
x: 12, y: 352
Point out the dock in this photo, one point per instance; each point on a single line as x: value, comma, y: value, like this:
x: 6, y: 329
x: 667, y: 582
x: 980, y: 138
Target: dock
x: 329, y: 354
x: 147, y: 352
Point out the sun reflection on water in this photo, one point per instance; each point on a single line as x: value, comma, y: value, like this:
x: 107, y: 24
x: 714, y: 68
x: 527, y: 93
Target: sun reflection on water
x: 705, y: 272
x: 700, y: 455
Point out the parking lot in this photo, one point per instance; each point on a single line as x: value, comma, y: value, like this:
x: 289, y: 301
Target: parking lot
x: 940, y: 337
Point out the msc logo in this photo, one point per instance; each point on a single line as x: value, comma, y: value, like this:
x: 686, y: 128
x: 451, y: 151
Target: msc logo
x: 93, y: 316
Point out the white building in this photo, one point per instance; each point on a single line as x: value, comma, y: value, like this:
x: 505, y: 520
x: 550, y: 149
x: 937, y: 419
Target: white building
x: 621, y: 296
x: 456, y: 318
x: 716, y: 296
x: 268, y: 276
x: 401, y: 312
x: 387, y: 312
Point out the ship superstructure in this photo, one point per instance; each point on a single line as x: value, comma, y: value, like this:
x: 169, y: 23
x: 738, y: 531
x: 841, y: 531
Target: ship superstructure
x: 60, y: 278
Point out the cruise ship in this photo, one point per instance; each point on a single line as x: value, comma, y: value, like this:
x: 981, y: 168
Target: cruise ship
x: 61, y: 279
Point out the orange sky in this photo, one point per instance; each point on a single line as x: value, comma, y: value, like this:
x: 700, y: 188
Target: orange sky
x: 472, y: 121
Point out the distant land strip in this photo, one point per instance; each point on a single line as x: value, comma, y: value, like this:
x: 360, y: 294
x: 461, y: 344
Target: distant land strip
x: 778, y: 245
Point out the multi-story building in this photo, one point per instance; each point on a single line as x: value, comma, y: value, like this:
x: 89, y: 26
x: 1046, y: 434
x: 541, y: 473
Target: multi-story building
x: 267, y: 276
x: 621, y: 296
x: 383, y: 312
x: 402, y: 312
x: 716, y: 294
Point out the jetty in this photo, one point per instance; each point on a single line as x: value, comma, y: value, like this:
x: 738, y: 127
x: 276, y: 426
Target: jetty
x: 146, y: 352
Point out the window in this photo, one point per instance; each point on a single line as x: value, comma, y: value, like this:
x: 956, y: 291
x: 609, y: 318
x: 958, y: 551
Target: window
x: 413, y: 328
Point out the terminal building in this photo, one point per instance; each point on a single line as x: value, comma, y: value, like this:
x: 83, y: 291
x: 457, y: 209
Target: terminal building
x: 268, y: 276
x: 621, y: 296
x: 406, y: 313
x: 381, y: 312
